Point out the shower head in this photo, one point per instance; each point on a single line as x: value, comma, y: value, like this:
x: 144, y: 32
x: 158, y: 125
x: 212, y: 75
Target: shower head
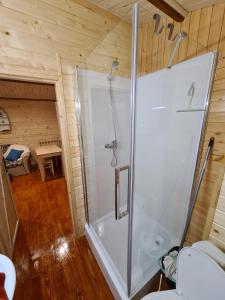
x: 114, y: 66
x: 181, y: 36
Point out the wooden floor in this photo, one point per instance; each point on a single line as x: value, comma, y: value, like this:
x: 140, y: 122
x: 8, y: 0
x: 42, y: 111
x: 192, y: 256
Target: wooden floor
x: 50, y: 264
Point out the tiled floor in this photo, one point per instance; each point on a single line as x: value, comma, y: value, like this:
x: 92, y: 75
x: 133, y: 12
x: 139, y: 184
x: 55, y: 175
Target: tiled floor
x: 50, y: 264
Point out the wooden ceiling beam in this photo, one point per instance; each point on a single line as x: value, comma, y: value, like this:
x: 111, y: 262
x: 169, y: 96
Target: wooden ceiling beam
x: 170, y: 8
x: 25, y: 81
x: 27, y: 99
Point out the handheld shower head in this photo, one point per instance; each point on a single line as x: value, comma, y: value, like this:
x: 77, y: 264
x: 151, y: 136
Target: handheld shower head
x: 114, y: 144
x: 181, y: 36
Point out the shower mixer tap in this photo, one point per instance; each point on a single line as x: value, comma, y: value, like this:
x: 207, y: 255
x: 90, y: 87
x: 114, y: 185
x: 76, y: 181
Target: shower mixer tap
x: 113, y: 145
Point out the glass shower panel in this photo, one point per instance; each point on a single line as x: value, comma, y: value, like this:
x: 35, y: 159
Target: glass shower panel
x: 105, y: 119
x: 169, y: 122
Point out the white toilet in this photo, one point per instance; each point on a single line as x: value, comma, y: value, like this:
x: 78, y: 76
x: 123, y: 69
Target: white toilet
x: 210, y: 249
x: 199, y: 277
x: 7, y: 267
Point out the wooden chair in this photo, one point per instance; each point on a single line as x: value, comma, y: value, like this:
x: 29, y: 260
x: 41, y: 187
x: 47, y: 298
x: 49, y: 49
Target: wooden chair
x: 48, y: 165
x: 49, y: 162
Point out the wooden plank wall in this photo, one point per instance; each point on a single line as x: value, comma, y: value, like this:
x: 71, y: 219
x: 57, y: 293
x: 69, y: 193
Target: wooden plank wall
x: 117, y: 44
x: 206, y: 31
x: 217, y: 234
x: 33, y: 32
x: 31, y: 121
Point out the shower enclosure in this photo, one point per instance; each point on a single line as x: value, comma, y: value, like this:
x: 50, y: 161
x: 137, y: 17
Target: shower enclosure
x: 141, y: 137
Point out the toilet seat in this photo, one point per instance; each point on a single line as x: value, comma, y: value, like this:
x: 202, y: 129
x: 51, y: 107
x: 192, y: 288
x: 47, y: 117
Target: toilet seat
x: 167, y: 295
x: 199, y: 277
x: 7, y: 267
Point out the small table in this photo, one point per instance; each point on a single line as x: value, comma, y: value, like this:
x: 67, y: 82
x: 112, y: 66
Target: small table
x: 43, y: 152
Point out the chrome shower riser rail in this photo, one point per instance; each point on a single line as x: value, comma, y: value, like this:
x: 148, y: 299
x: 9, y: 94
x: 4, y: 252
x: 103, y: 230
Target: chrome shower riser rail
x: 197, y: 188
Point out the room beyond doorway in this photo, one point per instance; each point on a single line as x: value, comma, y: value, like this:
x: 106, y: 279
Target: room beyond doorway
x: 30, y: 111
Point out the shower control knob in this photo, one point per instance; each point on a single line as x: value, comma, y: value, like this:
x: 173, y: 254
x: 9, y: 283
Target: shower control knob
x: 114, y: 145
x: 108, y: 146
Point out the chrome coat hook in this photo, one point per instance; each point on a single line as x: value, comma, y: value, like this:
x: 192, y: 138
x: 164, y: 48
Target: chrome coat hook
x: 170, y: 26
x: 157, y: 28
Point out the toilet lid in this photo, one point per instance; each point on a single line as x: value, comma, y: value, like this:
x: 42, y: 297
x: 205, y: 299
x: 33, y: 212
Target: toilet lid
x: 211, y: 250
x: 198, y: 276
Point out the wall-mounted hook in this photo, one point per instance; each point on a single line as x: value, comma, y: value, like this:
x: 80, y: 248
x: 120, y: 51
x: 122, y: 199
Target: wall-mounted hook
x: 170, y: 26
x: 157, y: 28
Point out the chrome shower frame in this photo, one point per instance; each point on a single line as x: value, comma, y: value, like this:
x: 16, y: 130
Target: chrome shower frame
x: 134, y: 71
x: 81, y: 142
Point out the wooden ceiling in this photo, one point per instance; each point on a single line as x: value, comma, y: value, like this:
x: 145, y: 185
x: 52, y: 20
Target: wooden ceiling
x: 191, y: 5
x: 23, y: 90
x: 123, y: 8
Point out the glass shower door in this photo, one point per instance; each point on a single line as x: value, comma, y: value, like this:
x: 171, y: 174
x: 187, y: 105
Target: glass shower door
x: 171, y: 106
x: 105, y: 117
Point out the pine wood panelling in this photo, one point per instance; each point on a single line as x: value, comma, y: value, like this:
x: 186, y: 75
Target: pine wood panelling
x: 193, y: 33
x: 31, y: 121
x: 149, y: 47
x: 217, y: 233
x: 206, y: 31
x: 117, y: 44
x: 203, y: 32
x: 216, y: 27
x: 144, y: 42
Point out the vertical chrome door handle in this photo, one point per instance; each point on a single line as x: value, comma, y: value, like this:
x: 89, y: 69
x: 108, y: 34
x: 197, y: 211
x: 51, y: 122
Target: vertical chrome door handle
x: 118, y: 214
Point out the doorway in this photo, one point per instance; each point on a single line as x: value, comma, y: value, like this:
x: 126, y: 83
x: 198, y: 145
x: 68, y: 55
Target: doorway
x: 49, y: 262
x: 33, y: 156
